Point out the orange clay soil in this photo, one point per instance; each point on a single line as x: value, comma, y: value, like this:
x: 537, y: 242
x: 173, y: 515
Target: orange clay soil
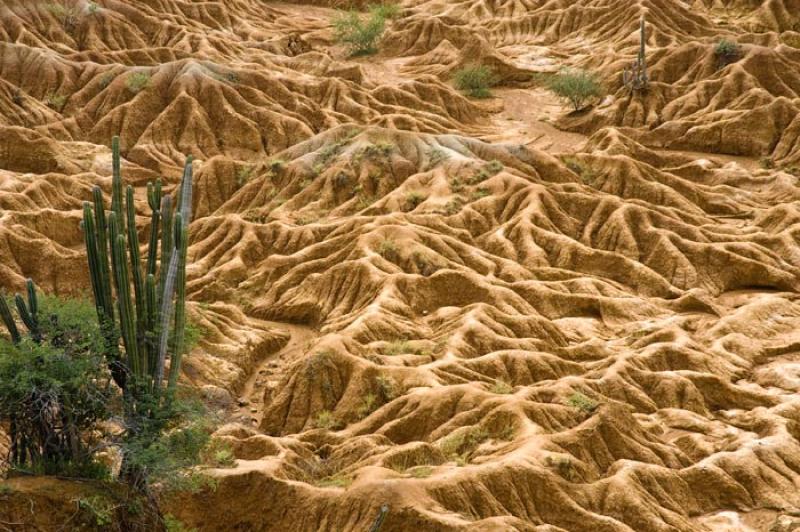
x: 487, y: 314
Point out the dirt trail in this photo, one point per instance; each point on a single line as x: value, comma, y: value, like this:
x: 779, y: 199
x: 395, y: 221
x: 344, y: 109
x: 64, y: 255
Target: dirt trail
x: 251, y: 402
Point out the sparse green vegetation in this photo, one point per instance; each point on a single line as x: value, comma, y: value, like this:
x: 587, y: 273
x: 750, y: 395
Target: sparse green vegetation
x: 243, y: 174
x: 584, y: 171
x: 385, y: 10
x: 387, y: 248
x: 388, y: 389
x: 334, y: 481
x: 326, y: 420
x: 137, y: 82
x: 219, y: 454
x: 421, y: 471
x: 398, y: 347
x: 582, y: 402
x: 461, y: 445
x: 767, y: 163
x: 369, y: 403
x: 501, y: 388
x: 172, y: 524
x: 576, y: 87
x: 727, y: 52
x: 488, y: 170
x: 96, y: 510
x: 359, y: 33
x: 474, y: 80
x: 479, y: 193
x: 435, y: 157
x: 5, y: 490
x: 414, y: 199
x: 56, y: 101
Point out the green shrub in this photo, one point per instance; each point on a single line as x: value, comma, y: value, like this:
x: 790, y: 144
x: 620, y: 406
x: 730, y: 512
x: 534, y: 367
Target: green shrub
x: 413, y: 199
x: 56, y: 101
x: 501, y: 388
x: 326, y: 420
x: 97, y: 510
x: 474, y: 80
x: 582, y: 402
x: 359, y: 33
x: 575, y: 86
x: 385, y: 10
x: 387, y: 248
x: 54, y: 389
x: 137, y: 82
x: 727, y: 52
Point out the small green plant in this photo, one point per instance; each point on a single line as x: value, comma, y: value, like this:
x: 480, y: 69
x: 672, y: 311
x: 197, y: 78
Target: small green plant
x: 369, y: 403
x: 453, y: 206
x: 421, y: 471
x: 92, y: 7
x: 767, y: 163
x: 388, y: 389
x: 172, y: 524
x: 243, y: 174
x: 414, y: 199
x: 276, y: 165
x: 474, y: 80
x: 387, y: 248
x: 360, y: 34
x: 501, y: 388
x: 5, y: 490
x: 334, y: 481
x: 385, y: 10
x: 56, y: 101
x: 220, y: 454
x: 575, y: 86
x: 461, y: 445
x: 585, y: 172
x: 727, y: 52
x: 563, y: 465
x: 488, y: 170
x: 326, y: 420
x: 791, y: 39
x: 97, y: 510
x: 479, y: 193
x: 137, y: 82
x: 582, y: 402
x: 398, y: 347
x: 435, y: 157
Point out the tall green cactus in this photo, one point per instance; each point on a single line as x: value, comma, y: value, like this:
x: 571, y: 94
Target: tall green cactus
x: 643, y: 49
x: 140, y: 310
x: 28, y: 313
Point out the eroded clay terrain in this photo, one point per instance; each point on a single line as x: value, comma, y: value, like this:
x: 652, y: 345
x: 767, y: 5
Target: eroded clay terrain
x: 487, y: 314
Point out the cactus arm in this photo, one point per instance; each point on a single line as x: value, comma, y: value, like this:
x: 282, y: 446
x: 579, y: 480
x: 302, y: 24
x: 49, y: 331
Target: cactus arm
x: 8, y: 319
x: 151, y: 322
x: 102, y: 254
x: 180, y: 309
x: 136, y: 262
x: 166, y: 242
x: 154, y: 200
x: 89, y: 236
x: 116, y: 184
x: 166, y: 310
x: 33, y: 301
x: 26, y: 317
x: 126, y: 308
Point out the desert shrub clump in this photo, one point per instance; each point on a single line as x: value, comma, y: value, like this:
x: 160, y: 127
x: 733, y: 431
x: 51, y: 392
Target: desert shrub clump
x: 360, y: 33
x: 727, y: 52
x: 54, y: 388
x: 137, y: 82
x: 474, y: 80
x: 575, y: 86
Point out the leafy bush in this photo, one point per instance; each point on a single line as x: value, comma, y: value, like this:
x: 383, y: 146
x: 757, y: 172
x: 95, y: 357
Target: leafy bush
x: 137, y: 82
x: 575, y: 86
x: 474, y: 80
x: 727, y: 52
x: 359, y: 33
x: 582, y: 402
x: 56, y: 101
x: 54, y: 388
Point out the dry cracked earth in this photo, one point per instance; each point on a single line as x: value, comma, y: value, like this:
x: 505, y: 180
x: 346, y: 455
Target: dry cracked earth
x: 486, y: 314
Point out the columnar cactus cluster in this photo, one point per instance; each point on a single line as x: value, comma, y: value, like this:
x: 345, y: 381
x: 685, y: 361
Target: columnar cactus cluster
x: 151, y: 317
x: 634, y: 77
